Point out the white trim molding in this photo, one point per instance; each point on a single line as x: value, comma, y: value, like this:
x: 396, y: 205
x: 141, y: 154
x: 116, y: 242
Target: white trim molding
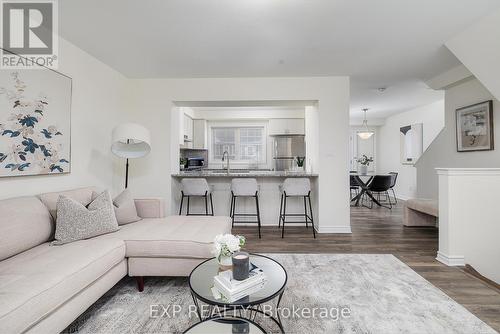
x: 468, y: 171
x: 334, y: 229
x: 451, y: 260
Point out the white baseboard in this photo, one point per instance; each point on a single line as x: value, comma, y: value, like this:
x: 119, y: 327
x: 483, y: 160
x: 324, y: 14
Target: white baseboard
x: 451, y: 260
x: 403, y: 197
x: 288, y: 224
x: 327, y: 229
x: 334, y: 229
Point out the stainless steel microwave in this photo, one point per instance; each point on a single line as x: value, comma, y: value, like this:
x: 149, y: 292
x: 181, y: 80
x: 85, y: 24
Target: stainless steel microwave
x: 195, y: 163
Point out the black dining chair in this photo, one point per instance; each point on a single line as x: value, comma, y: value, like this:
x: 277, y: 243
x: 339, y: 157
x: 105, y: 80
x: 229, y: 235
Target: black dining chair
x: 353, y: 186
x: 394, y: 176
x: 380, y: 184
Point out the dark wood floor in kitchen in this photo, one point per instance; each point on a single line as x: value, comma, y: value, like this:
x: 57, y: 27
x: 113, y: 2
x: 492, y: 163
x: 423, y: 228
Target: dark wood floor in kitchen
x: 381, y: 231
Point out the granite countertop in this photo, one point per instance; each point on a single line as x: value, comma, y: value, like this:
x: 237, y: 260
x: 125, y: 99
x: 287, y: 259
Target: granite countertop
x: 236, y: 173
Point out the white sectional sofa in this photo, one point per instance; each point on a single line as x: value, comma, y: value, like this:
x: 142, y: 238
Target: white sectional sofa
x: 43, y: 288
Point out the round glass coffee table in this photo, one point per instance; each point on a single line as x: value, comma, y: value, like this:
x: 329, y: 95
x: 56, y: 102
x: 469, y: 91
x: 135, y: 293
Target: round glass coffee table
x: 201, y: 281
x: 227, y: 325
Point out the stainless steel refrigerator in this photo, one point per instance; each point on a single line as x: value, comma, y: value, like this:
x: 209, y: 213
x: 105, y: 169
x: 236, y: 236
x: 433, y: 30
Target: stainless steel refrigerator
x: 286, y: 148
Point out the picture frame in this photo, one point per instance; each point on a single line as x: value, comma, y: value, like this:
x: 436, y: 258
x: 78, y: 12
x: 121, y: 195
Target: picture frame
x: 411, y: 143
x: 35, y: 121
x: 474, y: 127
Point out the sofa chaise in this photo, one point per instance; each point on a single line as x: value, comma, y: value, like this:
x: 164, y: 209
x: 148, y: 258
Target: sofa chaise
x: 43, y: 288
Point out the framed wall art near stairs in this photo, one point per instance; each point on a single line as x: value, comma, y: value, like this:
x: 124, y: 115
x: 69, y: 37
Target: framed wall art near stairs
x: 475, y: 127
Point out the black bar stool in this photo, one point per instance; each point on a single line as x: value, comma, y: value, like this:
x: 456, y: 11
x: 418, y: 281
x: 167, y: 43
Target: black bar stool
x: 244, y: 187
x: 196, y: 187
x: 296, y: 187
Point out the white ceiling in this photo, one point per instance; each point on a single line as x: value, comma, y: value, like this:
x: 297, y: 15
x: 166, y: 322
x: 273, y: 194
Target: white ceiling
x: 382, y: 43
x: 400, y: 97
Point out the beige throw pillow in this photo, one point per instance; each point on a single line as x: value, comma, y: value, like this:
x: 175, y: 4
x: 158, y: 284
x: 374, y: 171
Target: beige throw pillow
x: 77, y: 222
x: 125, y: 209
x: 81, y: 195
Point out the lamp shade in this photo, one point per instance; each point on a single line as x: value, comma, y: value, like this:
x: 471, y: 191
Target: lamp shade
x: 131, y: 140
x: 365, y: 134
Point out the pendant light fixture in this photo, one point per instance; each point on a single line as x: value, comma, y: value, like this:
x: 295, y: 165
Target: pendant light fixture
x: 365, y: 133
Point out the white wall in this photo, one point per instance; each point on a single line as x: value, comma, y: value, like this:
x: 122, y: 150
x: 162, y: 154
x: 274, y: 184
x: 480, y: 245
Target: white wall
x: 154, y: 100
x: 443, y: 151
x: 468, y: 219
x: 432, y: 117
x: 311, y: 125
x: 97, y: 106
x: 478, y: 49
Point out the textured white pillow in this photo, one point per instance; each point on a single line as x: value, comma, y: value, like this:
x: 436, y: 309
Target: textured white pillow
x: 77, y: 222
x: 125, y: 209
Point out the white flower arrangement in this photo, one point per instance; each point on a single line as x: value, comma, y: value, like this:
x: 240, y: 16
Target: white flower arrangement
x: 227, y: 244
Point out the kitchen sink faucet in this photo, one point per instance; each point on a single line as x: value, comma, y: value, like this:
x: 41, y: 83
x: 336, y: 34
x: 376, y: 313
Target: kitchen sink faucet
x: 226, y: 153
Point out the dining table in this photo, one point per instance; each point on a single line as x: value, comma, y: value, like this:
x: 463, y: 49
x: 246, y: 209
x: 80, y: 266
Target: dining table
x: 363, y: 181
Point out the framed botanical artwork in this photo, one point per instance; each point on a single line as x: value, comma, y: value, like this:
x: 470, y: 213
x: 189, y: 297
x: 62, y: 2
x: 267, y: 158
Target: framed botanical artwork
x: 475, y: 127
x: 35, y: 122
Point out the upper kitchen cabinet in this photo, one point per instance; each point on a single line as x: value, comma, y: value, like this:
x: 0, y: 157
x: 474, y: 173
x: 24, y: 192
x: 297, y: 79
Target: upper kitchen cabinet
x: 186, y: 129
x: 281, y: 126
x: 200, y: 133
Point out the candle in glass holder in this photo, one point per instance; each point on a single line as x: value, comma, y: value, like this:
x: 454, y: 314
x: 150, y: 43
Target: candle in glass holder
x: 241, y: 264
x: 241, y: 327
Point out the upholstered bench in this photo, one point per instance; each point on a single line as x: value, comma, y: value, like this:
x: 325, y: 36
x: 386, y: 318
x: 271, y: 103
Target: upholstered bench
x: 421, y: 212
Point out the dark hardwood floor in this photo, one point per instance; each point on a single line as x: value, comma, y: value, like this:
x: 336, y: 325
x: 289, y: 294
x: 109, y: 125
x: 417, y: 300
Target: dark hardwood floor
x: 381, y: 231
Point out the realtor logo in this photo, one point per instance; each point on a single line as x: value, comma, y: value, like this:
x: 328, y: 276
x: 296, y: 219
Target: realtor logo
x: 29, y: 34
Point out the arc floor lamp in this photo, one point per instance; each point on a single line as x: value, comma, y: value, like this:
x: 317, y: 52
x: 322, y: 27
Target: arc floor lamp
x: 130, y: 141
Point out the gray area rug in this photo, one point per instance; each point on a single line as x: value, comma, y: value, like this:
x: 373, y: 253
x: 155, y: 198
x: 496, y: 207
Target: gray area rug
x: 377, y: 293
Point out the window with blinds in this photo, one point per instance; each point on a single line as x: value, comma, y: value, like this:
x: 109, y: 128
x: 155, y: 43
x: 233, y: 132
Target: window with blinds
x: 244, y: 144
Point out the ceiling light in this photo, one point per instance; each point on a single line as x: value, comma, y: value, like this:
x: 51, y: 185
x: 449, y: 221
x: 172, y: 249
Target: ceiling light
x: 365, y: 133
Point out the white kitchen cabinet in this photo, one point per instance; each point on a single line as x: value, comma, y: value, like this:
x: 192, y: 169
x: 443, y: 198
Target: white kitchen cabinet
x: 295, y: 126
x: 200, y: 133
x: 281, y: 126
x: 188, y: 128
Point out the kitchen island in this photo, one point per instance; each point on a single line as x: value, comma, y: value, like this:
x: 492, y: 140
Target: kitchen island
x: 244, y: 173
x: 269, y: 193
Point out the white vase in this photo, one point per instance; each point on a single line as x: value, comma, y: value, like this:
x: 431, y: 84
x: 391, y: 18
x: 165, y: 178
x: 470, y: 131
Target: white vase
x: 363, y: 169
x: 225, y: 261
